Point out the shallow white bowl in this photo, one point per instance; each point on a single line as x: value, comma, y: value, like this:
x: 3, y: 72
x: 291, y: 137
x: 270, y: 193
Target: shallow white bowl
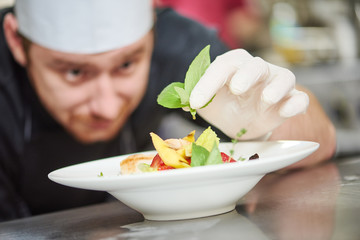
x: 191, y: 192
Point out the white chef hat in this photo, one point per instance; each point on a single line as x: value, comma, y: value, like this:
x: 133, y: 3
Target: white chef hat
x: 84, y: 26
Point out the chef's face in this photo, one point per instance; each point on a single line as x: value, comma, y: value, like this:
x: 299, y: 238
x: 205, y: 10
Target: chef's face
x: 91, y: 95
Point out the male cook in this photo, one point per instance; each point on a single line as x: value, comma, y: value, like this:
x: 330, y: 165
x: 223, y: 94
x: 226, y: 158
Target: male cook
x: 79, y: 81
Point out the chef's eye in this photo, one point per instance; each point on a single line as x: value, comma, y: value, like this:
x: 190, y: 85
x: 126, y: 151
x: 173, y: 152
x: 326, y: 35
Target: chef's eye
x: 73, y: 75
x: 127, y: 67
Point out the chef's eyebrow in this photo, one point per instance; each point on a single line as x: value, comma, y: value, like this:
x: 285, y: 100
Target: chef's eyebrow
x: 59, y: 62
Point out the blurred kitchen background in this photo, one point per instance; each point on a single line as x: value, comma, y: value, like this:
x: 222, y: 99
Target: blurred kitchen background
x: 319, y: 40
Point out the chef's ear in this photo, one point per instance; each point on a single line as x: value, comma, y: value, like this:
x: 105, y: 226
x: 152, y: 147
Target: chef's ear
x: 13, y: 39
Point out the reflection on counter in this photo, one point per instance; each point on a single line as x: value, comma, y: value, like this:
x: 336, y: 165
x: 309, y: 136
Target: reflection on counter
x: 296, y: 205
x: 225, y: 226
x: 348, y: 204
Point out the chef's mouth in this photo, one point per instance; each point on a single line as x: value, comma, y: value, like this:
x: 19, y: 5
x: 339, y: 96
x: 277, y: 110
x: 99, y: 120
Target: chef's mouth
x: 100, y: 124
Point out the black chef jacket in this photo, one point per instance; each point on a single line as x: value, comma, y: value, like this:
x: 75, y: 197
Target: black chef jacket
x: 32, y: 143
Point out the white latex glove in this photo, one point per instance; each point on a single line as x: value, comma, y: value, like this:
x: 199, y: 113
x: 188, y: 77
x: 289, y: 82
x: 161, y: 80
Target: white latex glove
x: 250, y: 94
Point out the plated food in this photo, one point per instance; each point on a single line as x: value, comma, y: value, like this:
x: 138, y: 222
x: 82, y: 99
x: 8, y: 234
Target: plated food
x: 180, y: 153
x: 195, y: 191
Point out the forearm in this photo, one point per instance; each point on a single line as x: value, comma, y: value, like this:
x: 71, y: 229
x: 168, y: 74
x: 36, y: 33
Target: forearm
x: 315, y: 126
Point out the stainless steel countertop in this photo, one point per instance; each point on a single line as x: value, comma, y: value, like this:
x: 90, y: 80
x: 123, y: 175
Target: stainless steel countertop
x: 317, y: 203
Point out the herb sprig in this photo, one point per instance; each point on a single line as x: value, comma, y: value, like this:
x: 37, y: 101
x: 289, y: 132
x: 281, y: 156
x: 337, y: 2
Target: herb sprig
x: 177, y: 94
x: 236, y: 140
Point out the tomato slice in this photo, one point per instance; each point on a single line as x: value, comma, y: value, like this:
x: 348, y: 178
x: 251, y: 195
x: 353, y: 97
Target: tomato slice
x: 164, y: 167
x: 226, y: 158
x: 157, y: 162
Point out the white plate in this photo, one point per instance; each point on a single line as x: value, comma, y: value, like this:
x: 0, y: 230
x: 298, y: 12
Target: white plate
x: 191, y: 192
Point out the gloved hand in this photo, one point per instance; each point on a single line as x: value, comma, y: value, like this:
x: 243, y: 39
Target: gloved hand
x: 250, y: 94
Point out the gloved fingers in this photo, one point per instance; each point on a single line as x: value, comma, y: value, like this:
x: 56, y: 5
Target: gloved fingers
x: 217, y: 74
x: 280, y: 86
x: 296, y: 104
x: 248, y: 74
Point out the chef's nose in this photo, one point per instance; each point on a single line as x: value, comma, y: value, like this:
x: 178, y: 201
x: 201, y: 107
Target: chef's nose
x: 105, y: 101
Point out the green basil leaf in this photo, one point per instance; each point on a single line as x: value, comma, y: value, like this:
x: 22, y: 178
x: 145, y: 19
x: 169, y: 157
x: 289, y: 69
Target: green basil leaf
x: 177, y: 95
x: 214, y: 156
x: 169, y: 98
x: 184, y: 97
x: 199, y: 155
x: 196, y: 69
